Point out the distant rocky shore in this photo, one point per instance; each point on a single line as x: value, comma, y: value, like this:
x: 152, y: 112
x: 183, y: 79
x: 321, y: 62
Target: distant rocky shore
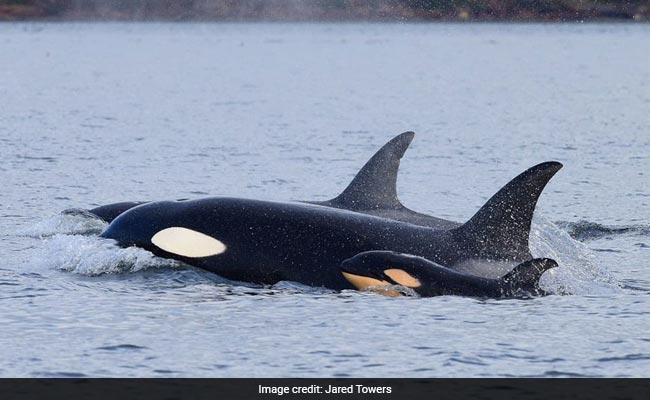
x: 324, y: 10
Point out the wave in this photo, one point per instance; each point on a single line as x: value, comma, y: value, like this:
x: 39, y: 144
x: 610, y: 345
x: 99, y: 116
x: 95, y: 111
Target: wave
x: 585, y: 230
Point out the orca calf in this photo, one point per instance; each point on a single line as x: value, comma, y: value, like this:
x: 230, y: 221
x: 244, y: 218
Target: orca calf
x: 381, y: 271
x: 308, y: 242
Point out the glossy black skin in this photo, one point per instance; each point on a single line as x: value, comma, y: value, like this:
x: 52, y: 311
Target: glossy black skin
x: 269, y: 242
x: 437, y: 280
x: 109, y: 212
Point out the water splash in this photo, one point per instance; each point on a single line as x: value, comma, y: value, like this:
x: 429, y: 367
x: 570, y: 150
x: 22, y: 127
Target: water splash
x: 70, y: 244
x: 92, y: 256
x: 579, y: 271
x: 295, y: 287
x: 69, y: 223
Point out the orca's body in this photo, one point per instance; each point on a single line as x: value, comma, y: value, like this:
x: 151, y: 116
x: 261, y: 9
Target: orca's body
x: 362, y: 238
x: 266, y: 242
x: 381, y: 271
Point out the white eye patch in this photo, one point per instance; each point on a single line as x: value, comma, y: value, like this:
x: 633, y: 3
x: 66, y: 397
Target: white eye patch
x: 187, y: 242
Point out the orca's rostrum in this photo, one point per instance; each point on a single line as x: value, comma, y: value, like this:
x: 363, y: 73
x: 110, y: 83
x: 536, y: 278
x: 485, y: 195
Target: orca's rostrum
x: 364, y: 238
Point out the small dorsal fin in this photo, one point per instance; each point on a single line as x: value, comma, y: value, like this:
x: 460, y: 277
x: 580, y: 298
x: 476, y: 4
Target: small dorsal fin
x: 526, y: 275
x: 500, y: 229
x: 375, y: 186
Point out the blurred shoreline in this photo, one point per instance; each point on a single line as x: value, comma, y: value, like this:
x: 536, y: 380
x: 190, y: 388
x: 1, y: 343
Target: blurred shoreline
x: 328, y: 11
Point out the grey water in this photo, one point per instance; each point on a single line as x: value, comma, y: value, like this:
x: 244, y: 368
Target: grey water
x: 98, y: 113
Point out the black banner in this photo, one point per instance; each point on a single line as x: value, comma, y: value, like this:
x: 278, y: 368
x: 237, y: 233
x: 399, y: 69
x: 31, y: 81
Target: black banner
x: 353, y: 389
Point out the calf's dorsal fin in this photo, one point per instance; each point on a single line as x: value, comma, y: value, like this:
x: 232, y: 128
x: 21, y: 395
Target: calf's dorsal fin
x: 526, y: 276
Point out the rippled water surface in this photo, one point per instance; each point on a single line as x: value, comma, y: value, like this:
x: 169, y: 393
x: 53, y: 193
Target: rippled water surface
x: 98, y: 113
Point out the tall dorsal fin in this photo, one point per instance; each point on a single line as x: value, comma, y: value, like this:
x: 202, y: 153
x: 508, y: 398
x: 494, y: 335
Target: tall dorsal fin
x: 501, y: 228
x: 375, y: 186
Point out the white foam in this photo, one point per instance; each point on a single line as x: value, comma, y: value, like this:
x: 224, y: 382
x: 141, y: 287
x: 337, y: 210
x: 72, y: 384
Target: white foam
x: 92, y: 256
x: 71, y: 224
x: 579, y: 271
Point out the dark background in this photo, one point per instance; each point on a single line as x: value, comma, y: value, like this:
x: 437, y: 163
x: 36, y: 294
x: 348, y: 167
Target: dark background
x: 328, y: 10
x: 413, y: 389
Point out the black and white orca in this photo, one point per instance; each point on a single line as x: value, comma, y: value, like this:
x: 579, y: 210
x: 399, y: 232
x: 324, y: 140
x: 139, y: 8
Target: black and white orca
x: 383, y: 271
x: 309, y: 242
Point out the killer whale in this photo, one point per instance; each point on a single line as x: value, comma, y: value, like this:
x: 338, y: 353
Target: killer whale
x: 266, y: 242
x: 372, y: 191
x: 381, y: 271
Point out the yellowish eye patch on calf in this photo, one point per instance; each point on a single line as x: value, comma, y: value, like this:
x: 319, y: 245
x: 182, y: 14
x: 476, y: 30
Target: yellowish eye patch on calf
x: 363, y: 282
x: 187, y: 242
x: 402, y: 277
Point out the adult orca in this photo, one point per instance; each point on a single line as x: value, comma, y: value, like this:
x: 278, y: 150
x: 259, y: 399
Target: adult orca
x: 266, y: 242
x: 373, y: 191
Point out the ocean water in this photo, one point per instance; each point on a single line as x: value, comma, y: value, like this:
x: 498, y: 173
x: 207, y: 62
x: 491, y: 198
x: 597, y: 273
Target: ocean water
x: 92, y: 114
